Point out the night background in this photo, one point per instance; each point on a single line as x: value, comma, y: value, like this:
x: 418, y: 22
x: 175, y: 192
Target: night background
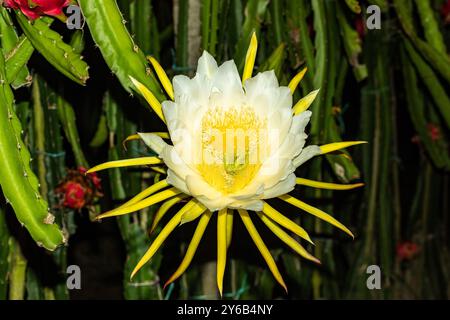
x: 387, y: 86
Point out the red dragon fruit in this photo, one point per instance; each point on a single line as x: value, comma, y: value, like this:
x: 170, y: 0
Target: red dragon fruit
x: 33, y: 9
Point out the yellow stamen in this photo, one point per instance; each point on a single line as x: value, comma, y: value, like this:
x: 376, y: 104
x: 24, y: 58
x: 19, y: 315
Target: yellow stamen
x: 221, y: 247
x: 326, y: 185
x: 250, y: 58
x: 192, y: 248
x: 162, y: 76
x: 296, y: 80
x: 232, y: 147
x: 261, y: 246
x: 162, y: 236
x: 287, y: 238
x: 331, y: 147
x: 316, y: 212
x: 166, y: 206
x: 285, y: 222
x: 150, y: 98
x: 144, y: 161
x: 161, y: 196
x: 304, y: 103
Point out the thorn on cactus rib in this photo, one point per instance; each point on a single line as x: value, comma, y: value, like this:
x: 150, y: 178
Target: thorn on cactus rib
x: 65, y: 236
x: 49, y: 219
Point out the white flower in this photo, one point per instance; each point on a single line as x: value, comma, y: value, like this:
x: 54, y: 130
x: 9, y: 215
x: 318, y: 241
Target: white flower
x: 213, y: 108
x: 235, y: 144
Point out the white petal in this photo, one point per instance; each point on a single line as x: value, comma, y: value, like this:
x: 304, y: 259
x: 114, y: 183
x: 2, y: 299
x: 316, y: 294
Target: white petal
x: 175, y: 162
x: 227, y: 87
x: 260, y: 83
x: 183, y: 85
x: 306, y: 154
x: 153, y: 141
x: 279, y: 122
x: 170, y: 109
x: 254, y: 188
x: 184, y: 127
x: 174, y: 180
x: 199, y: 187
x: 207, y: 65
x: 207, y: 195
x: 252, y: 205
x: 300, y: 122
x: 195, y: 91
x: 283, y: 187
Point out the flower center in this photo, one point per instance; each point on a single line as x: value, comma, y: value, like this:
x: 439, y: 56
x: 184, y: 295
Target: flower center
x: 232, y: 141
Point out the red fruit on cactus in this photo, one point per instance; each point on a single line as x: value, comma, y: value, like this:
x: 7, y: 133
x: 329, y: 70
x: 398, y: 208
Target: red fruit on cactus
x: 407, y: 250
x: 445, y: 11
x: 360, y: 27
x: 434, y: 132
x: 24, y: 7
x: 74, y: 195
x: 33, y: 9
x: 78, y: 189
x: 51, y: 7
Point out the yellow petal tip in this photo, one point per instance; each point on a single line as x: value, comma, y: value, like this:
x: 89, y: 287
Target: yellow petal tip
x: 250, y: 58
x: 254, y: 41
x: 284, y: 287
x: 167, y: 283
x: 136, y: 269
